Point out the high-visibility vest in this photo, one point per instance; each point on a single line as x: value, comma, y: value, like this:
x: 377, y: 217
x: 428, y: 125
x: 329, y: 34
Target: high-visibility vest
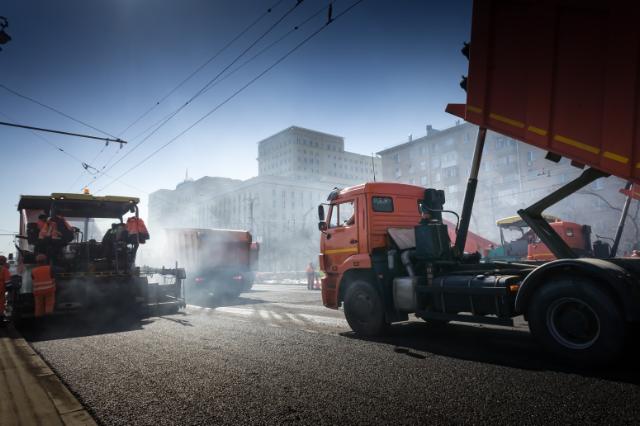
x: 50, y: 229
x: 42, y: 281
x: 135, y: 225
x: 137, y: 229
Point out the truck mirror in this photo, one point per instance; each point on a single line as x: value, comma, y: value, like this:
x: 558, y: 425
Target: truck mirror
x: 322, y: 226
x: 321, y: 213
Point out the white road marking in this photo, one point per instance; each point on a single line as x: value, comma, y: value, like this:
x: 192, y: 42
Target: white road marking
x: 296, y: 318
x: 335, y: 322
x: 232, y: 310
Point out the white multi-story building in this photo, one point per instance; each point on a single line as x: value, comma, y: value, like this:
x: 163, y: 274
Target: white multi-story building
x: 311, y: 155
x: 298, y: 169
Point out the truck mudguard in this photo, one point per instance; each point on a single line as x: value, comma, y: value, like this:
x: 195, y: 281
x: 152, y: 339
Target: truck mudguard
x: 602, y: 272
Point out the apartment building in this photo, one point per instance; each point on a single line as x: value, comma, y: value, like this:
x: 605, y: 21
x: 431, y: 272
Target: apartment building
x: 513, y: 176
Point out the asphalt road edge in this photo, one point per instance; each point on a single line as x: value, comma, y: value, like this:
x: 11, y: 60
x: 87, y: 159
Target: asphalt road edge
x: 70, y: 410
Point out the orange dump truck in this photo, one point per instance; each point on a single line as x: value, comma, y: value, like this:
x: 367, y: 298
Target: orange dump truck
x: 559, y: 75
x: 219, y: 262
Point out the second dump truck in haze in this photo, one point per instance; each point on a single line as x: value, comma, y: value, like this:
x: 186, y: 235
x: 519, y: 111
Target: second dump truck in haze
x: 219, y: 262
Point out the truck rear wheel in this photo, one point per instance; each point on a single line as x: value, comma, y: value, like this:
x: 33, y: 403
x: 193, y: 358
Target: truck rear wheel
x: 574, y: 318
x: 363, y: 309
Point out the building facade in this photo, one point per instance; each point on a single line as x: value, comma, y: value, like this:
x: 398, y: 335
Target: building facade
x: 311, y: 155
x: 513, y: 176
x: 297, y: 170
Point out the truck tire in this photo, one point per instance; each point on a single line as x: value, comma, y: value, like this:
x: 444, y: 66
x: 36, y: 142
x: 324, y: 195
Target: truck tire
x: 364, y: 310
x: 577, y: 320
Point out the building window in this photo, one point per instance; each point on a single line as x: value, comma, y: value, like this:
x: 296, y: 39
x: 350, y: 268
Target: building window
x: 598, y: 184
x: 530, y: 156
x: 450, y: 172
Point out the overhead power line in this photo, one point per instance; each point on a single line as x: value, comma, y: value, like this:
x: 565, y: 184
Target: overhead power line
x: 268, y: 47
x: 57, y: 111
x: 205, y: 87
x: 159, y: 101
x: 201, y: 67
x: 51, y: 144
x: 237, y: 92
x: 62, y: 132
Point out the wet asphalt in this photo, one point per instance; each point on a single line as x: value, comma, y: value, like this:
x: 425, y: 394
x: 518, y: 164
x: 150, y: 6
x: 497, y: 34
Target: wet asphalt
x: 276, y: 356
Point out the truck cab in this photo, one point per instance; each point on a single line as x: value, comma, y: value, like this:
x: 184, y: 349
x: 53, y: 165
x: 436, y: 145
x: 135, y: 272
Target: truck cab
x: 354, y: 234
x: 527, y: 245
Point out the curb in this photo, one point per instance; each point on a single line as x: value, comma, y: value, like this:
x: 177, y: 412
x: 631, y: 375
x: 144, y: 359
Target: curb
x: 68, y: 408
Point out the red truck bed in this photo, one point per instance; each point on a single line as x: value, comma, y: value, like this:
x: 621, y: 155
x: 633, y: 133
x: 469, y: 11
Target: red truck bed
x: 559, y: 75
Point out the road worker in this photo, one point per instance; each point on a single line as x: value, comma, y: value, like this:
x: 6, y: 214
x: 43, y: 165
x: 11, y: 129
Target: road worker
x: 138, y: 234
x: 65, y: 230
x: 44, y: 287
x: 42, y: 221
x: 5, y: 278
x: 311, y: 276
x: 37, y: 234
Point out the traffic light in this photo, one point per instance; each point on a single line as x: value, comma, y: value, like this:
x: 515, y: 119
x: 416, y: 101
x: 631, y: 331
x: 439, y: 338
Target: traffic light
x: 465, y: 51
x: 4, y: 37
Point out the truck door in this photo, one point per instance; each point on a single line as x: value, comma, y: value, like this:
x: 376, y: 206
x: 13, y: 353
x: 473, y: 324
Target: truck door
x: 341, y: 239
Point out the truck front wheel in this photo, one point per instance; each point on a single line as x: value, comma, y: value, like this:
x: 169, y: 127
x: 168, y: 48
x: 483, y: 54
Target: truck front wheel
x: 364, y: 309
x: 574, y: 318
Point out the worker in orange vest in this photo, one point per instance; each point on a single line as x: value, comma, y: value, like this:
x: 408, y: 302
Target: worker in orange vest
x: 44, y: 287
x: 311, y: 276
x: 5, y: 278
x: 138, y: 234
x: 42, y: 221
x: 137, y: 230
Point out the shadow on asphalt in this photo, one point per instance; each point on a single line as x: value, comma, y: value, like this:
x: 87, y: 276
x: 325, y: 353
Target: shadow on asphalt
x: 504, y: 347
x: 80, y: 325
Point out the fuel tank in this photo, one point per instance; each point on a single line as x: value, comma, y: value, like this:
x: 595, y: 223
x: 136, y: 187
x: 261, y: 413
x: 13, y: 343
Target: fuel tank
x: 477, y: 294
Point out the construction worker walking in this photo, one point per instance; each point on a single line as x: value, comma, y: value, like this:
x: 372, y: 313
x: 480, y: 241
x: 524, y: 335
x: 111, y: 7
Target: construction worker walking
x: 44, y: 287
x: 311, y: 276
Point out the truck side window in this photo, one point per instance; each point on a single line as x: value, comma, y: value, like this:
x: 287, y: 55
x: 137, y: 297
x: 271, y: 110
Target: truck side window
x: 342, y: 214
x: 382, y: 204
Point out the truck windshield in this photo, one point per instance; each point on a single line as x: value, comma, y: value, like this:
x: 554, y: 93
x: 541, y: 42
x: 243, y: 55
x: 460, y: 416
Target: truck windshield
x: 96, y: 227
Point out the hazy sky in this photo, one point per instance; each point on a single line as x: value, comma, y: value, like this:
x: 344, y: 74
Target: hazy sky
x: 382, y: 71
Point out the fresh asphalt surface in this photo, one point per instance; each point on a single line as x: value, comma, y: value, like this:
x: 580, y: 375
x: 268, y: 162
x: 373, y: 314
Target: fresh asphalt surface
x: 275, y: 355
